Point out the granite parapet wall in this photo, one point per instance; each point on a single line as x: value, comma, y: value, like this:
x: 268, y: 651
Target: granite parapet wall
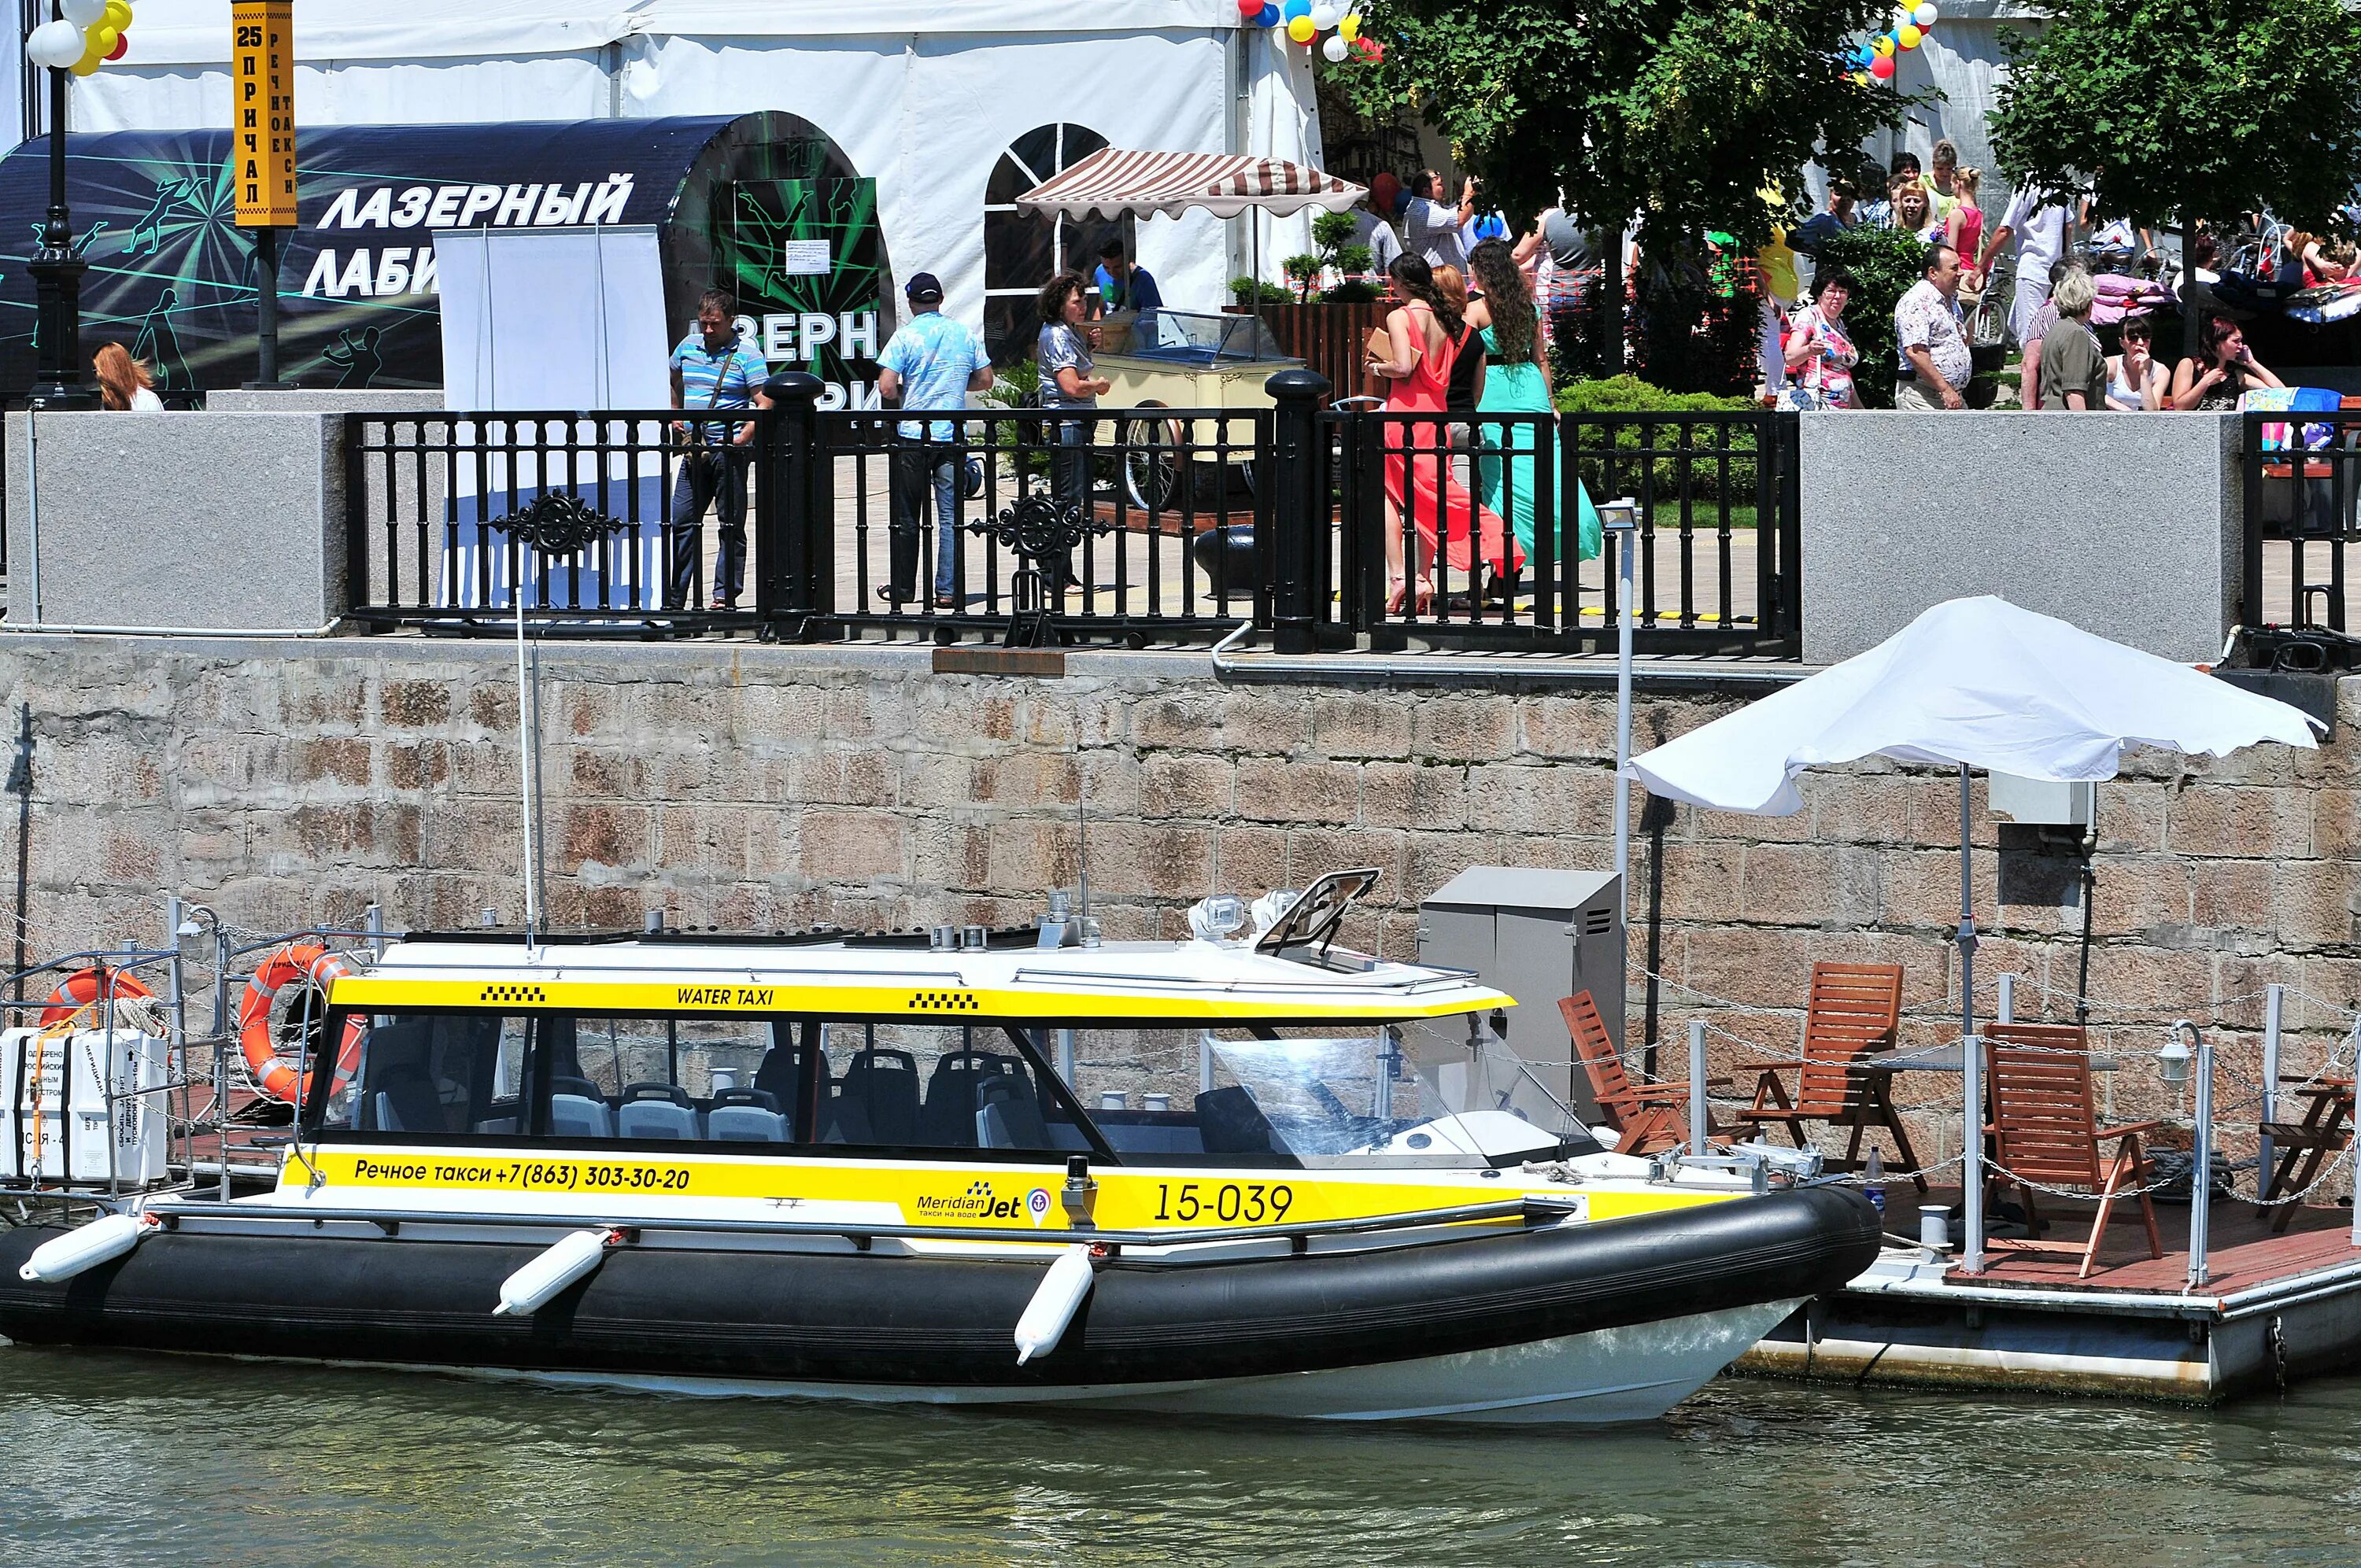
x: 290, y: 783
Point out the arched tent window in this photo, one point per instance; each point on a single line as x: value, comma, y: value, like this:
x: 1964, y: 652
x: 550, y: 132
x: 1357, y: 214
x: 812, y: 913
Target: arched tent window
x: 1024, y: 251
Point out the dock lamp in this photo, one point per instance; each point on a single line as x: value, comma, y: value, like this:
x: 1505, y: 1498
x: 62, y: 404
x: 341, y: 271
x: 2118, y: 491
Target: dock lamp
x: 80, y: 36
x: 2172, y: 1062
x: 1620, y: 519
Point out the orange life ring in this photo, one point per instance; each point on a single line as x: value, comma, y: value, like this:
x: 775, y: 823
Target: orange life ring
x: 83, y: 987
x: 273, y: 1073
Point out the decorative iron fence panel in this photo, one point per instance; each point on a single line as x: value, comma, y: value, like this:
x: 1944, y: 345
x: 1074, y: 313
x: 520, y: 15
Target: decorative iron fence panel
x: 1469, y: 531
x: 2302, y: 477
x: 1328, y: 528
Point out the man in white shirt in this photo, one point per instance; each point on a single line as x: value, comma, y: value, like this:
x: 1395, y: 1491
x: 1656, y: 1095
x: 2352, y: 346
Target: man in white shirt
x: 2040, y: 223
x: 1431, y: 229
x: 1370, y: 227
x: 1936, y: 365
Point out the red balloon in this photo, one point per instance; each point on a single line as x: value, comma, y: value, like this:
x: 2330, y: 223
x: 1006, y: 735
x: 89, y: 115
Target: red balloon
x: 1882, y: 67
x: 1249, y: 7
x: 122, y: 42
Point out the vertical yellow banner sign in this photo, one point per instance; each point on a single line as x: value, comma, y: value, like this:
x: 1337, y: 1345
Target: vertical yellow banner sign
x: 263, y: 110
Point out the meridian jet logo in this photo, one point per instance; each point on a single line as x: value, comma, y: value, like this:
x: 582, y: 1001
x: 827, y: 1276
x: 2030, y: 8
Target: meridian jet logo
x: 980, y: 1202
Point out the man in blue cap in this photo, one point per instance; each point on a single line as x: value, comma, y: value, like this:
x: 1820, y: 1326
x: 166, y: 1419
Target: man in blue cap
x: 932, y: 365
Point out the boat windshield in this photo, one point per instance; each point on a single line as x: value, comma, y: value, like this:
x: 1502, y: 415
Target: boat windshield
x: 1446, y: 1092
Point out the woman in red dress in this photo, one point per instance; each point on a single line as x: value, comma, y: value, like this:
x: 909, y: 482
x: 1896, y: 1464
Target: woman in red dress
x: 1425, y: 331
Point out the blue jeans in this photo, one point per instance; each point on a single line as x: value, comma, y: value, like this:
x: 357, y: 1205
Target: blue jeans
x: 917, y: 468
x: 1070, y: 477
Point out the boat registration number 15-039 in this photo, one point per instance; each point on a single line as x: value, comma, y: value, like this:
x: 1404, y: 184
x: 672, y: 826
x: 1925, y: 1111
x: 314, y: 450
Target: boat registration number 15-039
x: 1231, y: 1203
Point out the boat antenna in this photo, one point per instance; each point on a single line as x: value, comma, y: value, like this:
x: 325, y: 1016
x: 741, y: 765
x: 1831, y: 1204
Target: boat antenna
x: 528, y: 751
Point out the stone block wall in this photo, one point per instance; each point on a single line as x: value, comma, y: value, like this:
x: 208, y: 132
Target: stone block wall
x: 748, y: 785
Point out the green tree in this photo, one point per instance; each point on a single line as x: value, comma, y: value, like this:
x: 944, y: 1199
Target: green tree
x: 1682, y: 111
x: 2166, y: 109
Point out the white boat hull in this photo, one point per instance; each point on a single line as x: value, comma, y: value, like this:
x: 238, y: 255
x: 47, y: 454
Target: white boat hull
x: 1609, y: 1376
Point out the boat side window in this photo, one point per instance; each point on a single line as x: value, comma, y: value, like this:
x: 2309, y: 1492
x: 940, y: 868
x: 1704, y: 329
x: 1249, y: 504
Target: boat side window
x: 432, y: 1073
x: 684, y: 1080
x: 940, y: 1086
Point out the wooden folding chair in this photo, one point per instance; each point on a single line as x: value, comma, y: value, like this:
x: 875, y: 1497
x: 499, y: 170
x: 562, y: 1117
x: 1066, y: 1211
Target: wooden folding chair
x: 2045, y: 1128
x: 2302, y: 1147
x: 1650, y: 1117
x: 1854, y: 1010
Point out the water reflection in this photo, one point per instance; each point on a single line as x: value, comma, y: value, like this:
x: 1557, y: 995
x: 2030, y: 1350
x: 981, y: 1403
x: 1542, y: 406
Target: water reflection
x: 114, y: 1459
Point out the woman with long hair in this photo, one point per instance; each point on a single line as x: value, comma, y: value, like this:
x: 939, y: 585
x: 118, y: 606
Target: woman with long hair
x: 1421, y: 333
x: 1068, y: 380
x: 1517, y: 382
x: 124, y: 383
x: 2221, y: 373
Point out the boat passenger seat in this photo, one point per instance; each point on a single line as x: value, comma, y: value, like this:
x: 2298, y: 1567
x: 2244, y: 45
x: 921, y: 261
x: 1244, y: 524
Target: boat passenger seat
x: 847, y: 1124
x: 746, y: 1116
x: 1229, y: 1122
x: 405, y: 1102
x: 1008, y: 1117
x: 953, y: 1095
x: 882, y: 1084
x: 782, y: 1069
x: 655, y: 1111
x: 578, y: 1116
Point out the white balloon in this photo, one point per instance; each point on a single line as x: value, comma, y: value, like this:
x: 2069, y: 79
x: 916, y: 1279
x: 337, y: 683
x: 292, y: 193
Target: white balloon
x: 55, y: 45
x: 1926, y: 15
x: 1337, y: 49
x: 83, y: 14
x: 1325, y: 16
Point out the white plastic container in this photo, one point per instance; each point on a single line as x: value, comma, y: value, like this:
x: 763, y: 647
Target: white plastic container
x: 56, y: 1122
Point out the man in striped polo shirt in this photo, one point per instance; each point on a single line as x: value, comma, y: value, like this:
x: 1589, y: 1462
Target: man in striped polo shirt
x: 712, y: 369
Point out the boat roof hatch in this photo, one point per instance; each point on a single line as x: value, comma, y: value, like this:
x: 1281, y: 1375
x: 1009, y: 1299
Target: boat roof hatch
x: 1312, y: 920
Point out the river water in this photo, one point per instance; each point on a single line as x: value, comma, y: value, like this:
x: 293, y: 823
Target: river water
x: 118, y: 1459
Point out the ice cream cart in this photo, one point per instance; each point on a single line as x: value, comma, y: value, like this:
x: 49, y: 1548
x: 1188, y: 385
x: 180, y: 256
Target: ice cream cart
x: 1168, y: 358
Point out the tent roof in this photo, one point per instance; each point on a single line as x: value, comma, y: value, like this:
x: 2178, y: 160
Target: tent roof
x: 196, y: 32
x: 1976, y: 682
x: 1113, y: 183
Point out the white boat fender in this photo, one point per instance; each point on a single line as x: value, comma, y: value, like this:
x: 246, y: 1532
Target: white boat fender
x: 573, y: 1256
x: 1055, y: 1301
x: 80, y: 1250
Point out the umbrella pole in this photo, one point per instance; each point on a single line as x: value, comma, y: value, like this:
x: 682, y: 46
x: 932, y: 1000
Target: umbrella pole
x: 1971, y: 1088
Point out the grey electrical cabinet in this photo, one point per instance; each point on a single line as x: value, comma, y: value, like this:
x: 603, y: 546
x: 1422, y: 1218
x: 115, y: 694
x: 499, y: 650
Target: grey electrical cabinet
x: 1539, y: 936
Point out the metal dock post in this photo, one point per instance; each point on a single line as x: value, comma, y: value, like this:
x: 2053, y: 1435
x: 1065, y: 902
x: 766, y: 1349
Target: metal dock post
x: 1698, y: 1120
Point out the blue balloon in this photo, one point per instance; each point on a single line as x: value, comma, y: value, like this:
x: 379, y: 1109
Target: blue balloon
x: 1269, y: 16
x: 1294, y: 9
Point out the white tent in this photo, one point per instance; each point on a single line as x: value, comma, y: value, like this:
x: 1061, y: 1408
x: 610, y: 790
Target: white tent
x: 1972, y: 683
x: 922, y: 95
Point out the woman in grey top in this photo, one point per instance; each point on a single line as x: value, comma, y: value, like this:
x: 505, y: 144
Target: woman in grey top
x: 1063, y: 355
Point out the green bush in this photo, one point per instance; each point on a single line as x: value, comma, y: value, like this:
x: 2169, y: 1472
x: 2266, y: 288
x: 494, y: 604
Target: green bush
x: 1883, y: 263
x: 1242, y: 291
x: 1631, y: 395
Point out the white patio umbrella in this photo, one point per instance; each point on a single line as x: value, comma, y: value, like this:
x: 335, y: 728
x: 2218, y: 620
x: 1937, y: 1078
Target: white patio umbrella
x: 1972, y: 683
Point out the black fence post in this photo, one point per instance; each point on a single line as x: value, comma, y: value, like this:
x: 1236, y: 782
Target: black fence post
x: 358, y: 588
x: 1296, y: 507
x: 2251, y: 608
x: 793, y: 537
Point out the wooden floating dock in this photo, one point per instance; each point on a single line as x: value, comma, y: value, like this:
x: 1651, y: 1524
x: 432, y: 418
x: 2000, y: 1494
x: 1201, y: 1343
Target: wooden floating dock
x: 2272, y: 1308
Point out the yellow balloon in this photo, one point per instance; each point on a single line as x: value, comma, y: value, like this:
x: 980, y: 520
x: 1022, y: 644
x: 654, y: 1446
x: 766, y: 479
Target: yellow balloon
x: 1908, y: 35
x: 1861, y: 78
x: 1349, y: 28
x: 99, y: 40
x: 1301, y: 30
x: 119, y: 15
x: 87, y: 64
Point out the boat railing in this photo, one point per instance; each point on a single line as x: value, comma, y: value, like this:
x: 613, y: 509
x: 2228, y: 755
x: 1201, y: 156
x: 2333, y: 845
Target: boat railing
x: 160, y: 975
x: 862, y: 1233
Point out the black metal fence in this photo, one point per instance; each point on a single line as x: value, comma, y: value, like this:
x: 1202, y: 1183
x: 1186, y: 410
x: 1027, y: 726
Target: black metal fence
x: 1327, y: 528
x: 2303, y: 475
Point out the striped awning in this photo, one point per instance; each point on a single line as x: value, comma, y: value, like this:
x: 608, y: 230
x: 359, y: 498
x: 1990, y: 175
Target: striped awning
x: 1113, y: 183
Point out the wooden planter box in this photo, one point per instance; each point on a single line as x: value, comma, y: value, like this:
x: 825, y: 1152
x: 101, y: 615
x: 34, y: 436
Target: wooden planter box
x: 1328, y: 339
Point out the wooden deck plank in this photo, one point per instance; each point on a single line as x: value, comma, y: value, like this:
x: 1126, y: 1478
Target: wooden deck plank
x: 2241, y: 1254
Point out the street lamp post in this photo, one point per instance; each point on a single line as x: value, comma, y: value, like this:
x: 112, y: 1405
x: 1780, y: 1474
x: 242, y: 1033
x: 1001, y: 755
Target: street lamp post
x: 57, y: 279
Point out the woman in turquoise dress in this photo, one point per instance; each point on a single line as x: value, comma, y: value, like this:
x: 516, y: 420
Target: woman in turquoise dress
x: 1516, y: 380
